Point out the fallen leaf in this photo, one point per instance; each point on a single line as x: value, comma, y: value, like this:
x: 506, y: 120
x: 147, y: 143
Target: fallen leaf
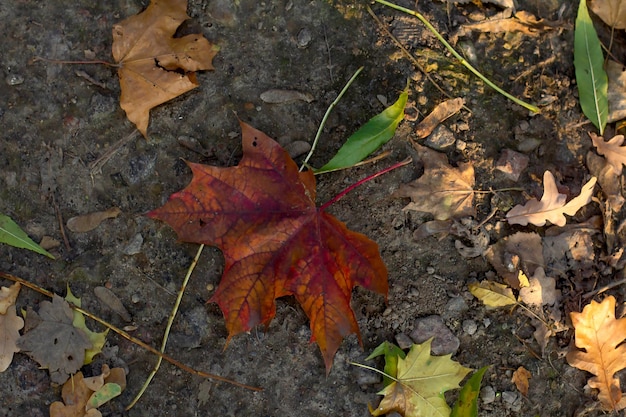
x: 523, y: 22
x: 440, y: 113
x: 541, y: 290
x: 55, y: 343
x: 392, y: 354
x: 571, y: 252
x: 97, y: 339
x: 276, y: 96
x: 602, y: 338
x: 10, y: 325
x: 467, y: 403
x: 616, y: 93
x: 421, y: 381
x: 12, y: 234
x: 519, y: 252
x: 520, y: 379
x: 87, y: 222
x: 612, y: 12
x: 612, y: 150
x: 443, y: 191
x: 155, y: 66
x: 552, y: 206
x: 276, y: 242
x: 493, y: 294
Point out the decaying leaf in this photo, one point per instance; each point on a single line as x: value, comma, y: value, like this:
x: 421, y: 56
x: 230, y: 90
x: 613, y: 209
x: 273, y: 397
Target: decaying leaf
x: 612, y: 150
x: 523, y: 22
x: 519, y: 252
x: 10, y: 325
x: 541, y: 290
x: 612, y: 12
x: 520, y: 379
x: 97, y: 339
x: 81, y: 396
x: 55, y: 343
x: 155, y: 66
x: 467, y: 403
x: 440, y: 113
x: 421, y: 381
x: 616, y: 93
x: 493, y: 294
x: 276, y: 242
x: 443, y: 191
x: 552, y: 207
x: 86, y: 222
x: 601, y: 351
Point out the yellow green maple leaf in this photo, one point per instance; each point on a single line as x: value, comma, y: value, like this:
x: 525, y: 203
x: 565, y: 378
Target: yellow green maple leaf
x: 419, y: 385
x: 97, y: 339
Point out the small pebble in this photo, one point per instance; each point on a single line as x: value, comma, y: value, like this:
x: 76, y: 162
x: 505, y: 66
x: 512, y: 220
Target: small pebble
x: 470, y: 327
x: 366, y: 377
x: 14, y: 79
x: 487, y: 394
x: 134, y: 245
x: 512, y: 164
x: 304, y: 38
x: 403, y: 341
x: 441, y: 139
x: 444, y: 341
x: 457, y: 305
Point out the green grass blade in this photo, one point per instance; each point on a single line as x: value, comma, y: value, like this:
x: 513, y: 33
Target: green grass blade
x: 467, y: 403
x: 11, y: 234
x: 590, y: 74
x: 371, y: 136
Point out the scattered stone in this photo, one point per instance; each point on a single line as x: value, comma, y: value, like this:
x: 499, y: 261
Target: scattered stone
x: 403, y: 341
x: 14, y: 79
x: 444, y: 341
x: 470, y: 327
x: 512, y: 164
x: 297, y: 148
x: 512, y: 400
x: 441, y: 139
x: 304, y: 38
x: 456, y: 305
x: 487, y: 394
x: 134, y: 245
x: 527, y: 145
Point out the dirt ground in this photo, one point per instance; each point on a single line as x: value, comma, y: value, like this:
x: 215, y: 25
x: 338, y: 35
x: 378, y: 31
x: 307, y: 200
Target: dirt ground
x: 56, y: 125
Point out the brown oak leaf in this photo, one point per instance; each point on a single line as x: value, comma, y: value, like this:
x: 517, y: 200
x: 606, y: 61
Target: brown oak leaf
x: 612, y: 150
x: 10, y: 325
x: 552, y: 207
x: 154, y: 66
x: 601, y: 337
x: 276, y: 242
x: 444, y: 191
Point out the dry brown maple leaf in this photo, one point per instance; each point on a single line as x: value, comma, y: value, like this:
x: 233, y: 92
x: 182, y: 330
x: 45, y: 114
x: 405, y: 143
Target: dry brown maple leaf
x: 276, y: 242
x: 154, y: 66
x: 552, y: 207
x: 612, y: 150
x: 602, y: 338
x: 443, y: 191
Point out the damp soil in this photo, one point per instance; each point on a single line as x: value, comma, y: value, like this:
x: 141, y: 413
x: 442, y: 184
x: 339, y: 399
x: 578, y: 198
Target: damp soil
x: 58, y: 128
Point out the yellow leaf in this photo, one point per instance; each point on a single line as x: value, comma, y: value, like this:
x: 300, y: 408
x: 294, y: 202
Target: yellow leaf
x: 601, y: 336
x: 421, y: 381
x: 493, y: 294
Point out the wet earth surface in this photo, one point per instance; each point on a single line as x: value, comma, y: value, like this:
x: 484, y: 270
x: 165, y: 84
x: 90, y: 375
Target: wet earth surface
x: 61, y: 156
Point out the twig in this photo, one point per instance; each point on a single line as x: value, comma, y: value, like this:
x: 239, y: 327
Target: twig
x: 62, y: 61
x: 96, y: 166
x: 170, y: 321
x: 61, y: 227
x: 330, y: 108
x: 128, y: 337
x: 605, y: 288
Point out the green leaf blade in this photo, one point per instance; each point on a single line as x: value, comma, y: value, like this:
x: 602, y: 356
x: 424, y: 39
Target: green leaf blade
x: 591, y: 77
x: 371, y: 136
x: 467, y: 403
x: 13, y: 235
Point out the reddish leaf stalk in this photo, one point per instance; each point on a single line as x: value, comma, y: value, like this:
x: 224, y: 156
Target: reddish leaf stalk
x: 364, y: 180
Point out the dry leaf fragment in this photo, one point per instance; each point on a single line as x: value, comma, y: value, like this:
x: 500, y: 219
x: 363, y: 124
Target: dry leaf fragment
x: 552, y: 206
x: 523, y: 22
x: 155, y: 66
x: 10, y: 325
x: 519, y: 252
x: 87, y: 222
x: 440, y: 113
x: 541, y: 290
x: 612, y: 150
x: 616, y: 93
x: 520, y: 379
x: 612, y: 12
x: 55, y: 343
x: 601, y: 338
x: 443, y: 191
x: 276, y: 96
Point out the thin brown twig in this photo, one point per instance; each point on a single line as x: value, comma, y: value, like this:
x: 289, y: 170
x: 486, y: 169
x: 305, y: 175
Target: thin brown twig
x: 61, y: 227
x: 62, y: 61
x: 96, y: 166
x: 128, y: 337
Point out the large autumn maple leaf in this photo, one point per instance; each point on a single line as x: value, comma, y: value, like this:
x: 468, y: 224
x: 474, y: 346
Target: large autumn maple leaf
x: 276, y: 242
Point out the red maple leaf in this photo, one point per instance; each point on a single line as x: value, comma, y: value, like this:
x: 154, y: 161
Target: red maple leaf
x: 276, y: 242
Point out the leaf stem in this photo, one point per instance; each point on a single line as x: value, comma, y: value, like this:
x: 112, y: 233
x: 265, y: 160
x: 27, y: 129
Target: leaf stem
x: 371, y: 368
x: 364, y: 180
x: 325, y: 118
x: 61, y: 61
x: 458, y: 56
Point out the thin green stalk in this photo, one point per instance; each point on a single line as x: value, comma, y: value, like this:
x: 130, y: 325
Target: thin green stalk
x: 330, y: 108
x: 458, y: 56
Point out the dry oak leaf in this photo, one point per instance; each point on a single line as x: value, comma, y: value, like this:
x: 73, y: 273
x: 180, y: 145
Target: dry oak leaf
x: 552, y: 207
x: 612, y: 12
x: 602, y: 338
x: 10, y: 325
x: 520, y: 379
x: 443, y: 191
x: 155, y: 67
x: 612, y: 150
x: 421, y: 380
x: 276, y: 242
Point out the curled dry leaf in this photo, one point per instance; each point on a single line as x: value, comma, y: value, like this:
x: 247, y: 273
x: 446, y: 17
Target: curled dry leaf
x: 541, y: 290
x: 600, y: 350
x: 440, y: 113
x: 154, y: 66
x: 612, y: 150
x: 87, y: 222
x: 552, y: 207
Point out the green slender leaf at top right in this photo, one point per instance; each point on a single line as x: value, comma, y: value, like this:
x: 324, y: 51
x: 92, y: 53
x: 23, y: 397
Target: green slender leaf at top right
x: 467, y: 405
x: 591, y: 77
x: 371, y: 136
x: 12, y: 234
